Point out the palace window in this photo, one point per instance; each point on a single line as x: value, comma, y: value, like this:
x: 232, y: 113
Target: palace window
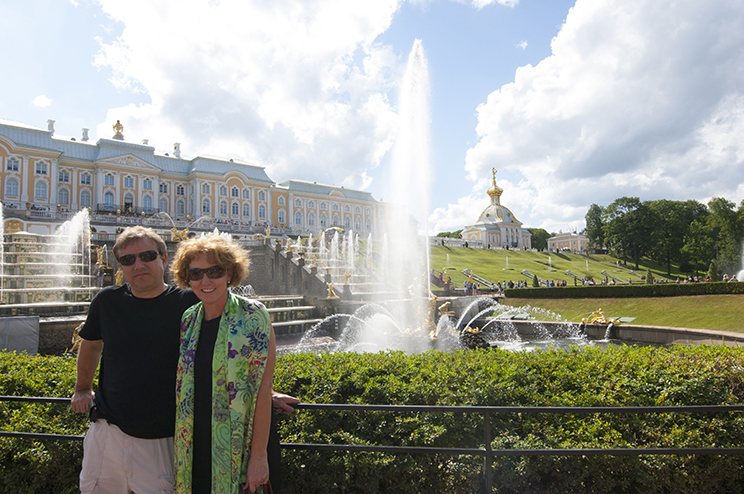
x: 346, y: 208
x: 180, y: 207
x: 63, y: 197
x: 147, y: 184
x: 323, y: 220
x: 85, y: 199
x: 357, y: 224
x: 41, y: 168
x: 234, y: 192
x: 280, y: 217
x: 369, y: 225
x: 298, y: 203
x: 108, y: 200
x: 261, y: 195
x: 206, y: 188
x: 323, y: 205
x: 85, y: 179
x: 129, y: 182
x: 298, y: 218
x: 108, y: 180
x: 235, y: 209
x: 347, y: 223
x: 163, y: 188
x: 163, y: 206
x: 147, y: 203
x: 41, y: 190
x: 281, y: 201
x: 180, y: 190
x: 223, y: 191
x: 311, y: 204
x: 311, y: 219
x: 335, y: 207
x: 206, y: 206
x: 262, y: 212
x: 64, y: 176
x: 357, y: 210
x: 246, y: 210
x: 11, y: 187
x: 223, y: 207
x: 246, y: 194
x: 12, y: 165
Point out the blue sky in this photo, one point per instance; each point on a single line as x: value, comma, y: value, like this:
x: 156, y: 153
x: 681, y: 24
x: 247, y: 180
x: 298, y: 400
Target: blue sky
x: 573, y: 102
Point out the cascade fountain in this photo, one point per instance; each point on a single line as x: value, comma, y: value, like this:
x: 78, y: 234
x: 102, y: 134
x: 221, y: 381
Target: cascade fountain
x: 47, y: 274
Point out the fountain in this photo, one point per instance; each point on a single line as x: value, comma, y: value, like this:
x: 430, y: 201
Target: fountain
x: 47, y: 274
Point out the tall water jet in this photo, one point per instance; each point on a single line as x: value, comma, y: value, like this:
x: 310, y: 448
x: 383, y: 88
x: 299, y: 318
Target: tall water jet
x: 409, y: 183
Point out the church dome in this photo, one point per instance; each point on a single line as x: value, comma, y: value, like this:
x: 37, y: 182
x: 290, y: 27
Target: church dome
x: 496, y: 213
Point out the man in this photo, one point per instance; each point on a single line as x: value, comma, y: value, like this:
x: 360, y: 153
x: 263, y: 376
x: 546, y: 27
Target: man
x: 134, y: 331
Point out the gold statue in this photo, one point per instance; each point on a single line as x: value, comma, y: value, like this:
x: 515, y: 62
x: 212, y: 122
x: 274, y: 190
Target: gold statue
x: 347, y: 276
x: 76, y: 338
x: 177, y: 236
x: 119, y: 277
x: 331, y: 292
x: 100, y: 261
x: 315, y: 260
x: 118, y: 128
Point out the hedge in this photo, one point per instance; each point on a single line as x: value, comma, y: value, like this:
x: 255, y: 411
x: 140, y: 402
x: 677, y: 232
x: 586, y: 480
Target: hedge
x: 625, y: 291
x: 589, y: 376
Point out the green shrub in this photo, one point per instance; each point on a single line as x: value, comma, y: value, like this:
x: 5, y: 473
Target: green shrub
x: 588, y: 377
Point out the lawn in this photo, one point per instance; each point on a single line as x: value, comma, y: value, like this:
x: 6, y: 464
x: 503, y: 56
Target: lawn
x: 719, y: 312
x: 505, y: 265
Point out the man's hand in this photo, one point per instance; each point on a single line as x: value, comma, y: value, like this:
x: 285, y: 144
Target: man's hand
x: 81, y: 400
x: 281, y: 402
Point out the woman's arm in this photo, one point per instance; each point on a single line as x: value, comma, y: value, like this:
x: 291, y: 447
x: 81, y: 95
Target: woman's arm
x: 258, y: 465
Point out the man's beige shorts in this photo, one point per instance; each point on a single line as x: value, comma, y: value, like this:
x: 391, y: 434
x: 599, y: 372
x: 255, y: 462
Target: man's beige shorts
x: 116, y: 463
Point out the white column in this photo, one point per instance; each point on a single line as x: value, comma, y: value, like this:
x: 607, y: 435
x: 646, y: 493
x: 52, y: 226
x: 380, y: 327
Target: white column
x: 98, y: 187
x: 23, y: 174
x: 53, y: 183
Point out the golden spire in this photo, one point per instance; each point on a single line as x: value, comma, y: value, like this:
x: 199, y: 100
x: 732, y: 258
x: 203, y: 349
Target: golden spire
x: 495, y: 191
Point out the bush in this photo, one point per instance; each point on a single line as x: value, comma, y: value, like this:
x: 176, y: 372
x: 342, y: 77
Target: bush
x: 589, y: 377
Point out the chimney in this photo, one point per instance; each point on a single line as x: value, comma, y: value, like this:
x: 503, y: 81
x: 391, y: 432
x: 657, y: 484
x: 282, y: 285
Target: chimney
x: 50, y: 126
x: 177, y: 150
x: 145, y: 141
x: 85, y: 134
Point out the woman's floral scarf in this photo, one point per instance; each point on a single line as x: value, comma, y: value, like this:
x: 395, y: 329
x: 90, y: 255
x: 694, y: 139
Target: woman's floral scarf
x: 238, y: 364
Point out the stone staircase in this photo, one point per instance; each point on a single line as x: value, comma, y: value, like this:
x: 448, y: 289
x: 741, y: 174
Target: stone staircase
x: 290, y: 314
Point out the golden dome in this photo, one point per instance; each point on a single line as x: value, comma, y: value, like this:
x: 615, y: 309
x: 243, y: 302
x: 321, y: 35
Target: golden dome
x: 494, y: 191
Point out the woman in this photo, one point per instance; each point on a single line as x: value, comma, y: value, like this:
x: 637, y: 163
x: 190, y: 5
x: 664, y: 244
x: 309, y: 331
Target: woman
x: 223, y: 387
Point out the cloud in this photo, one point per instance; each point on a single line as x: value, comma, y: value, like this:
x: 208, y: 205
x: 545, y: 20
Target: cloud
x: 479, y: 4
x: 639, y: 98
x: 522, y: 45
x: 299, y: 86
x: 42, y: 101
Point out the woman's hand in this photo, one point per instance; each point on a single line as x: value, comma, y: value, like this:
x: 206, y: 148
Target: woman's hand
x: 258, y: 472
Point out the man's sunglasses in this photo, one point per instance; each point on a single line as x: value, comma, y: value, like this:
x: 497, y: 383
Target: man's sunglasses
x: 146, y: 256
x: 197, y: 274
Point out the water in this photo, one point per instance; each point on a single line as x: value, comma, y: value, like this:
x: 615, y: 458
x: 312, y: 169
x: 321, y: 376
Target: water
x: 406, y: 251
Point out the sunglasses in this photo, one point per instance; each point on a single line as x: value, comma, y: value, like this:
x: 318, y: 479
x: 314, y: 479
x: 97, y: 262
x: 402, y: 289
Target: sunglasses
x: 213, y: 272
x: 146, y: 256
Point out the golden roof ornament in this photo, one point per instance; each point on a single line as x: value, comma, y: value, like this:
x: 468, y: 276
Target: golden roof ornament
x: 118, y: 128
x: 495, y: 191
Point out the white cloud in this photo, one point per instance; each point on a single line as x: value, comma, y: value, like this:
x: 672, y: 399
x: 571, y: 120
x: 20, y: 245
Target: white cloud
x: 299, y: 86
x: 479, y: 4
x: 42, y: 101
x: 639, y: 97
x: 522, y: 45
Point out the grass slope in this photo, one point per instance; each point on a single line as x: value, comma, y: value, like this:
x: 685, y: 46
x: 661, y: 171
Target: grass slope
x: 720, y: 312
x: 492, y: 265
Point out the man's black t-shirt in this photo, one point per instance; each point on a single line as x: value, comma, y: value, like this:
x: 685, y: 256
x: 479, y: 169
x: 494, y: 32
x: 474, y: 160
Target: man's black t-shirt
x: 137, y: 378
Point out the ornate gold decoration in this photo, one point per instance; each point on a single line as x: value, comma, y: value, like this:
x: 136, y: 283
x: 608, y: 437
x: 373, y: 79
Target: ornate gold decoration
x: 118, y: 128
x: 119, y: 277
x: 331, y: 292
x: 177, y: 236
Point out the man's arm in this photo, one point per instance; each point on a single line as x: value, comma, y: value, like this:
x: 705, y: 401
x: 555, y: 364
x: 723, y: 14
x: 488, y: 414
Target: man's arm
x: 283, y: 403
x: 87, y: 362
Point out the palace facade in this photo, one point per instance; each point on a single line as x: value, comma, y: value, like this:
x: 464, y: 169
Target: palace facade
x: 45, y: 179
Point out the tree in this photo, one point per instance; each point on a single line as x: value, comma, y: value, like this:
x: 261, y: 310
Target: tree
x: 672, y: 220
x: 540, y: 238
x: 455, y: 234
x: 628, y: 225
x: 728, y: 229
x: 594, y: 230
x: 649, y: 277
x: 535, y: 282
x: 712, y: 273
x: 699, y: 245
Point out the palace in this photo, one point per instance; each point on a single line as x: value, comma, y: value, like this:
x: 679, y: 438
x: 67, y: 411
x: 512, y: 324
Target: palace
x: 496, y: 226
x: 45, y: 179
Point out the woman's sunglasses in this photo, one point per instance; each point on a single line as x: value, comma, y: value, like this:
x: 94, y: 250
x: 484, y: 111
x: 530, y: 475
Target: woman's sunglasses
x: 197, y: 274
x: 146, y: 256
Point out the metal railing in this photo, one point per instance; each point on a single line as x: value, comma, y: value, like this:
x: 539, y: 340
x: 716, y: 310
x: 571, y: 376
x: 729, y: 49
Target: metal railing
x: 486, y: 452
